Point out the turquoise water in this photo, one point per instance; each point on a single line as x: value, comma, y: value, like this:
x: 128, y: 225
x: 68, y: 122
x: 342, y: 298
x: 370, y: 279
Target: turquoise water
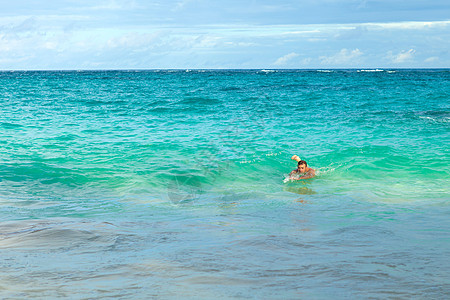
x: 167, y: 183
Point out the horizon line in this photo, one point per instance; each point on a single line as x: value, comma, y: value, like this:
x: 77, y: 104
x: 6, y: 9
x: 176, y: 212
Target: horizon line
x: 221, y: 69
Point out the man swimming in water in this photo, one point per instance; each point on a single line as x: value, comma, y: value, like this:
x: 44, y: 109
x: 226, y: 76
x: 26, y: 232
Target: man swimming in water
x: 302, y: 169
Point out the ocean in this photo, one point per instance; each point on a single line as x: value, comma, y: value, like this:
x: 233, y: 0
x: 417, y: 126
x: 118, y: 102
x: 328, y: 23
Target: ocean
x: 173, y: 184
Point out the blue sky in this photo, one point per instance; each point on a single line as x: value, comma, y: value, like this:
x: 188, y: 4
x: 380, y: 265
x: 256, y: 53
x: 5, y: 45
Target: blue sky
x: 207, y: 34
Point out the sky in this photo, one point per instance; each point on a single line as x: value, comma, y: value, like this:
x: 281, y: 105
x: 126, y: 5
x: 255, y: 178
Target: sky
x: 223, y: 34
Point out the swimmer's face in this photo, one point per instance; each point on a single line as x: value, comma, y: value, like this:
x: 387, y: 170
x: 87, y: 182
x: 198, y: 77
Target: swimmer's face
x: 301, y: 168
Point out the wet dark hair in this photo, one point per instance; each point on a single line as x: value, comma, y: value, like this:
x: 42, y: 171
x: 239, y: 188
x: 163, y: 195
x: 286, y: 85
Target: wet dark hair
x: 302, y: 162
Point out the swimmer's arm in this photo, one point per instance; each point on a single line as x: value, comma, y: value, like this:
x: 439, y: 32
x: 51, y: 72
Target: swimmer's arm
x: 293, y: 172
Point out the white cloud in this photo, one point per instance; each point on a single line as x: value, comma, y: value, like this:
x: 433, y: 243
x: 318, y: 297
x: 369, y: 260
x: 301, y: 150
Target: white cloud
x: 285, y: 59
x: 313, y: 40
x: 115, y: 5
x: 301, y: 32
x: 404, y: 56
x: 408, y: 25
x: 132, y: 40
x: 344, y: 56
x: 180, y: 5
x: 306, y: 61
x: 207, y: 41
x: 432, y: 59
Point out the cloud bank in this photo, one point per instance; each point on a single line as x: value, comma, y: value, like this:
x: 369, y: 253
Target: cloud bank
x: 136, y: 34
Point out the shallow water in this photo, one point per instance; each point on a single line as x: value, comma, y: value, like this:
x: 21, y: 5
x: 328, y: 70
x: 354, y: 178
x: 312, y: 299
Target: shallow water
x: 170, y: 183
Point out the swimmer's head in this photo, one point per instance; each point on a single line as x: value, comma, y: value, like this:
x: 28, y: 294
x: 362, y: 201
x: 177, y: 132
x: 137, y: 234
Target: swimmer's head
x: 301, y: 166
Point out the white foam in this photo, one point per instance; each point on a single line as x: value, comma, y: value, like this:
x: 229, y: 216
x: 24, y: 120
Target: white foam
x: 371, y: 70
x: 434, y: 119
x: 272, y: 154
x: 288, y: 178
x: 325, y: 170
